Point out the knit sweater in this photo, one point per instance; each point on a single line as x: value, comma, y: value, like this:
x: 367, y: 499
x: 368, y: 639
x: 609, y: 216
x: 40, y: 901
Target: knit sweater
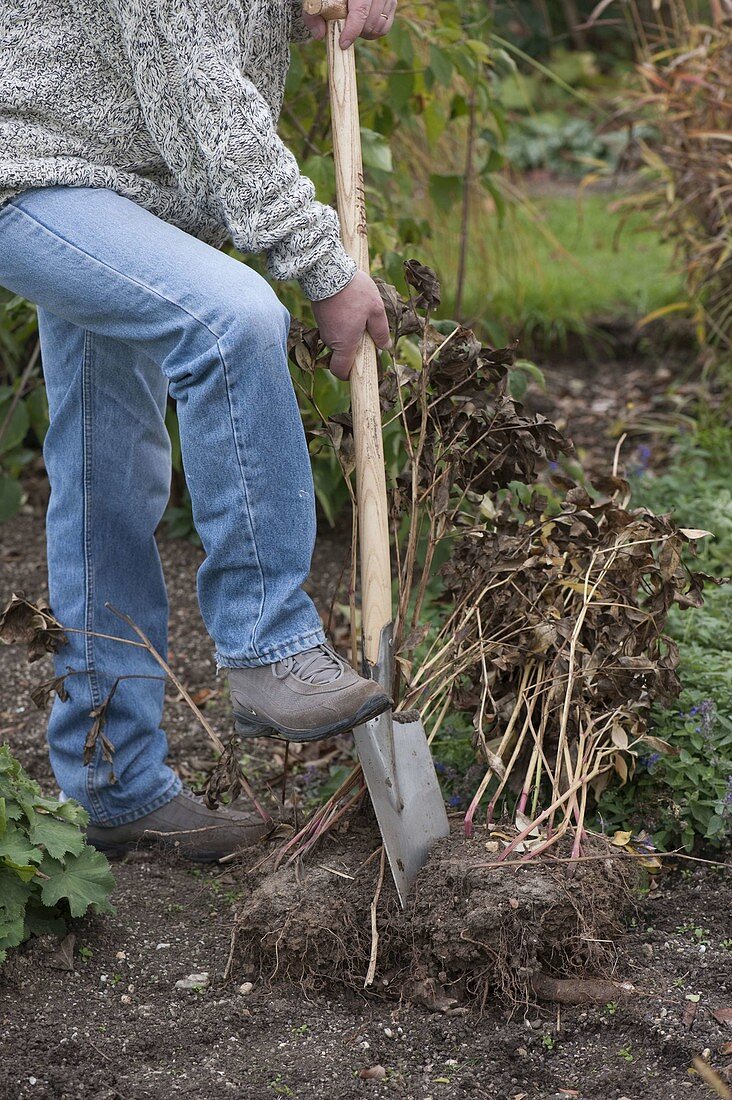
x: 173, y: 104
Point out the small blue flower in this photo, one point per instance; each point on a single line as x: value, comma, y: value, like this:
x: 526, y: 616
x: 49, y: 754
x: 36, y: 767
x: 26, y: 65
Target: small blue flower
x: 643, y: 458
x: 455, y: 800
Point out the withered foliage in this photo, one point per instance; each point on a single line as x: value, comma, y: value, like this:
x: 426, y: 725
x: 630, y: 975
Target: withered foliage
x: 686, y: 69
x: 44, y: 691
x: 31, y: 624
x: 567, y: 616
x: 546, y: 623
x: 226, y: 778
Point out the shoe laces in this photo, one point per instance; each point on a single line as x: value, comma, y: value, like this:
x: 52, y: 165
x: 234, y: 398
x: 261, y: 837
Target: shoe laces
x: 314, y: 666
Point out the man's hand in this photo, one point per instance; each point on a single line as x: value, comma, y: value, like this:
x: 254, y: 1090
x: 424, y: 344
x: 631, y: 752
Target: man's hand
x: 345, y: 317
x: 366, y: 19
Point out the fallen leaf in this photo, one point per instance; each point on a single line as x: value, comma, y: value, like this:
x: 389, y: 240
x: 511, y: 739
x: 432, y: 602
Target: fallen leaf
x: 63, y: 956
x: 523, y: 823
x: 203, y: 696
x: 373, y: 1073
x: 689, y: 1015
x: 723, y: 1016
x: 726, y: 1050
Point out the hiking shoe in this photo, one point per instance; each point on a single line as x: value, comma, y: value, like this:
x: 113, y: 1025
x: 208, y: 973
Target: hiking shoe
x: 306, y: 697
x: 185, y: 825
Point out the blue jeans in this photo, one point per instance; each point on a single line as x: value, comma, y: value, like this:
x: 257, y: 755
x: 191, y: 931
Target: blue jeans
x: 130, y: 307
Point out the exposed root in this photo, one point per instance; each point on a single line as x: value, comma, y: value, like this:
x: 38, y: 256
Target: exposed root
x: 579, y: 991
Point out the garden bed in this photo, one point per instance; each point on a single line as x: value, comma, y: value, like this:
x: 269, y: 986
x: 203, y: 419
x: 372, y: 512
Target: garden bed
x: 116, y: 1026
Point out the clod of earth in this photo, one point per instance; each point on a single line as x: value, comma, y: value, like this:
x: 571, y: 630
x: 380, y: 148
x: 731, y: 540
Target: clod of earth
x: 467, y: 934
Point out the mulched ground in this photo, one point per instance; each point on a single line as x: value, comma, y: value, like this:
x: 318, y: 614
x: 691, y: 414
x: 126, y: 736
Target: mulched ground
x: 116, y: 1028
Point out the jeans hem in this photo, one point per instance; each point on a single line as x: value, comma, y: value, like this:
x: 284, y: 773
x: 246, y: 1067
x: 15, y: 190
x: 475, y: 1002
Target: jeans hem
x: 295, y: 645
x: 170, y: 792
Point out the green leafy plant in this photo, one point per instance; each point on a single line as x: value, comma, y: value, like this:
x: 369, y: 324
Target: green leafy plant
x: 686, y: 794
x: 47, y: 871
x: 564, y: 144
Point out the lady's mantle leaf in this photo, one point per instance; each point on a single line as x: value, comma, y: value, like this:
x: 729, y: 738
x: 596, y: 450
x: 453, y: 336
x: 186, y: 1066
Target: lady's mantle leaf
x: 59, y: 838
x: 16, y: 848
x: 14, y: 895
x: 84, y: 880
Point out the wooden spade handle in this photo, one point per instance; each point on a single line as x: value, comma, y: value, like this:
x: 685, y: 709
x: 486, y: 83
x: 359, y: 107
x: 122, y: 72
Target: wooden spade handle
x: 373, y: 515
x: 329, y: 9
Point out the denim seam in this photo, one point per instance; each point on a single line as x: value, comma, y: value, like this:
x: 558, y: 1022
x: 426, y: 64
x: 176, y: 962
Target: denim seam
x: 293, y: 645
x: 87, y: 428
x: 170, y: 792
x: 245, y: 489
x: 120, y: 274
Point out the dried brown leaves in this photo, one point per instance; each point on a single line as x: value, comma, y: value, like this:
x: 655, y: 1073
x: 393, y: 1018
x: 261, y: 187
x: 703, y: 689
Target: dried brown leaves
x: 551, y: 616
x: 31, y: 624
x: 552, y: 627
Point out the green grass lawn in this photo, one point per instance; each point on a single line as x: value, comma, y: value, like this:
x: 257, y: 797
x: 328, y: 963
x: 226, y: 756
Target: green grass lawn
x: 559, y: 265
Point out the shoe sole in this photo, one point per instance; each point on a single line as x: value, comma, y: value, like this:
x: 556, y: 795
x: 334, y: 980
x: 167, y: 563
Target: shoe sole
x: 371, y: 709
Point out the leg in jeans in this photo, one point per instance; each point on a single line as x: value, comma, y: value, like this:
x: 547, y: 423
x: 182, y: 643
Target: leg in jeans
x: 107, y: 454
x: 127, y: 291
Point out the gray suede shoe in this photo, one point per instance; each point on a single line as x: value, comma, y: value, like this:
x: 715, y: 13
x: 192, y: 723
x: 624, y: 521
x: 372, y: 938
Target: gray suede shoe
x: 312, y: 695
x: 185, y: 825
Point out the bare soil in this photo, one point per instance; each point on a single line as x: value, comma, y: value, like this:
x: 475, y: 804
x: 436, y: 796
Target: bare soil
x: 115, y: 1027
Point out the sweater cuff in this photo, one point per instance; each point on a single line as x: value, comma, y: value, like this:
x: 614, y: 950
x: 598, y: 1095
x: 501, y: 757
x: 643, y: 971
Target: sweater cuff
x: 299, y: 32
x: 328, y: 275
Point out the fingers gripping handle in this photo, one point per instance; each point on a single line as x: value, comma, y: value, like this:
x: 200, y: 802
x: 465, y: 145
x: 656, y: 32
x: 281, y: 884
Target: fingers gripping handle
x: 373, y: 516
x: 329, y: 9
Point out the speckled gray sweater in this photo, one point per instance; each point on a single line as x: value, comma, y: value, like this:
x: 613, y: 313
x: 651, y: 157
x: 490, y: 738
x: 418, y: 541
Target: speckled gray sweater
x: 174, y: 104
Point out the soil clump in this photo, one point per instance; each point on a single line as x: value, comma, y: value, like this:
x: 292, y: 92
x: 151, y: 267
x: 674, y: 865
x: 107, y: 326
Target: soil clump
x: 472, y: 930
